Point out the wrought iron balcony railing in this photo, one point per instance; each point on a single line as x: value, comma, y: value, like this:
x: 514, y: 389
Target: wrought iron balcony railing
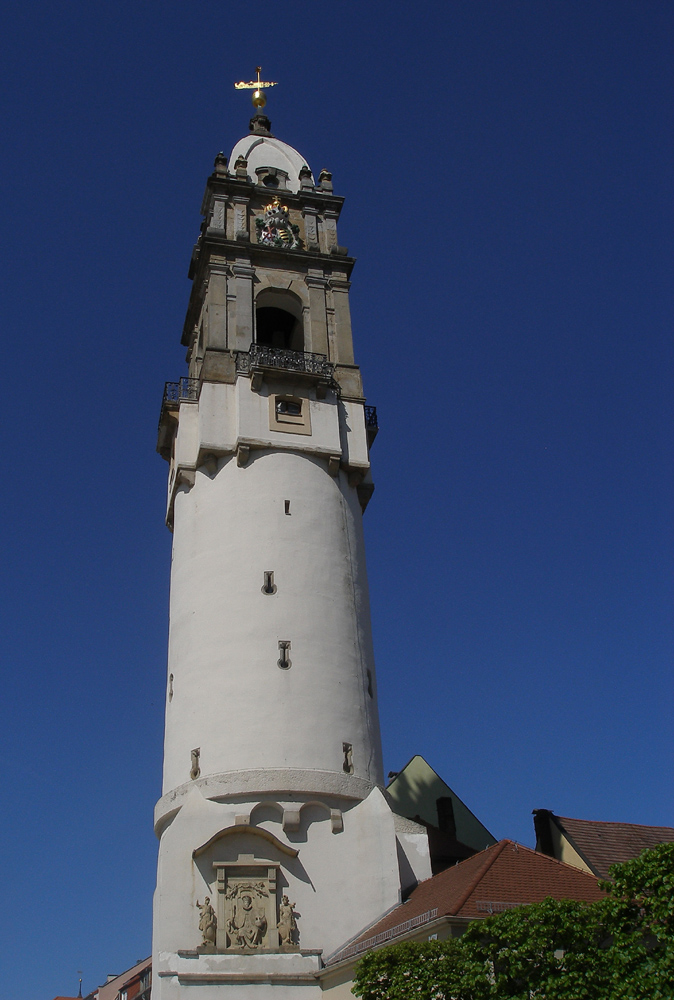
x: 260, y: 356
x: 186, y: 388
x: 371, y: 424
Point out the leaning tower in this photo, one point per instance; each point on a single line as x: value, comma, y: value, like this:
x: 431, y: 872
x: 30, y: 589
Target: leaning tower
x: 277, y: 845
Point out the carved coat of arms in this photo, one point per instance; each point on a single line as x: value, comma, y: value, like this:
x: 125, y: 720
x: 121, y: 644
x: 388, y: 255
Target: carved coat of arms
x: 246, y: 920
x: 275, y: 229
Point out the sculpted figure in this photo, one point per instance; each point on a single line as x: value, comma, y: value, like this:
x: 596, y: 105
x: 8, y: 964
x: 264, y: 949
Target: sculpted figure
x: 207, y: 921
x: 246, y: 926
x: 287, y: 924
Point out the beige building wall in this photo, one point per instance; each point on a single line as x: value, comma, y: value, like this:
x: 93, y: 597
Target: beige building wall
x: 415, y: 791
x: 565, y: 851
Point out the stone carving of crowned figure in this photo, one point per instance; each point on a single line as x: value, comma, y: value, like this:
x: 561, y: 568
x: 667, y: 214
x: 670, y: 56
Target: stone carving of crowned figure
x: 208, y: 921
x: 247, y: 924
x: 276, y: 229
x: 287, y: 924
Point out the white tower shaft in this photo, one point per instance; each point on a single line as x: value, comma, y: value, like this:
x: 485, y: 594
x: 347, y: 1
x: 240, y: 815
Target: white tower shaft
x: 271, y: 805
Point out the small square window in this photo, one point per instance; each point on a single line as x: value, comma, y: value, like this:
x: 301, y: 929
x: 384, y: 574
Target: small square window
x: 290, y: 414
x: 289, y: 407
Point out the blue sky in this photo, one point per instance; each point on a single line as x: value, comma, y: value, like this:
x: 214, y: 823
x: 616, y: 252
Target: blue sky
x: 506, y: 166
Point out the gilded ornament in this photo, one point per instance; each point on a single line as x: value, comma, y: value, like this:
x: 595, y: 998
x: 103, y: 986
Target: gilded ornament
x: 258, y: 87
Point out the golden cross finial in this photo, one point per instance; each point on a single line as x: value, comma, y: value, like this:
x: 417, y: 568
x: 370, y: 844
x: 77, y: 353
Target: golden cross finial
x: 258, y: 86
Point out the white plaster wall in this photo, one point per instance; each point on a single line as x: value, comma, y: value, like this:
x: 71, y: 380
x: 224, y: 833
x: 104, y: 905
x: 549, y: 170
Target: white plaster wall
x: 217, y: 416
x: 354, y: 436
x: 418, y: 857
x: 187, y: 437
x: 171, y: 989
x: 229, y: 414
x: 253, y: 421
x: 340, y: 882
x: 229, y: 696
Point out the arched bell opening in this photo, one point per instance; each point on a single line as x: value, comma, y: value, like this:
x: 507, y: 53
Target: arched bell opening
x: 278, y: 321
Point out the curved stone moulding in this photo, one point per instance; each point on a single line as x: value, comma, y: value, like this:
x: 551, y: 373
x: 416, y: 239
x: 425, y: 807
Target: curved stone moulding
x: 235, y: 830
x: 258, y: 784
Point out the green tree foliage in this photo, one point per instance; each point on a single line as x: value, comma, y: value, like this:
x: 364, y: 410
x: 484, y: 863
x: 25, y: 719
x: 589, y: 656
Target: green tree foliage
x: 425, y: 971
x: 621, y: 948
x: 551, y: 949
x: 639, y: 914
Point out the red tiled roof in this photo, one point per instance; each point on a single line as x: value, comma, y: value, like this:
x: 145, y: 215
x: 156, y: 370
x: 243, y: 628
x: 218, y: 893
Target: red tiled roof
x: 605, y: 844
x: 499, y: 878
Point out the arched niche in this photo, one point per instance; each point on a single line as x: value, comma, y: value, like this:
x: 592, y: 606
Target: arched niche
x: 266, y: 811
x: 279, y: 320
x: 245, y: 829
x: 314, y: 811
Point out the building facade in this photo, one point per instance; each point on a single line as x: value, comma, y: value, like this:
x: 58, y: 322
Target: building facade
x: 277, y: 843
x: 595, y: 845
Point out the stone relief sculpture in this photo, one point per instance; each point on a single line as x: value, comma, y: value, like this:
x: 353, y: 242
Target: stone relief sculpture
x: 275, y: 229
x: 287, y: 923
x: 247, y: 923
x: 208, y: 922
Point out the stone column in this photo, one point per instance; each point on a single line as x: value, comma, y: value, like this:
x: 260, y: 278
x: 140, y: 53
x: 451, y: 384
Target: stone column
x: 243, y: 279
x: 343, y: 341
x: 318, y: 332
x: 216, y: 308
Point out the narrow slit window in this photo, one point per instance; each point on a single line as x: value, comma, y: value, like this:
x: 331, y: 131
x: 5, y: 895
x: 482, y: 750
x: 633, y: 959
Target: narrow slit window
x: 347, y: 765
x: 269, y: 587
x: 287, y: 504
x: 284, y: 661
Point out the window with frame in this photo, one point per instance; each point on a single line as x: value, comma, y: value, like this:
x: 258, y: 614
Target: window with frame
x: 288, y: 407
x: 290, y: 414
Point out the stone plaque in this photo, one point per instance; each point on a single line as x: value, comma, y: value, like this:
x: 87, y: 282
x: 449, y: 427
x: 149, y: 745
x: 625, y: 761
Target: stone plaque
x: 246, y: 906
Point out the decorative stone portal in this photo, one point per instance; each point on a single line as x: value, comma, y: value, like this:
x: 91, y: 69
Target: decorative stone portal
x: 247, y: 909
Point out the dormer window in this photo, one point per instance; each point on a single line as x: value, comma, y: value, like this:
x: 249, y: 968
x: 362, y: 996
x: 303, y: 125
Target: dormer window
x: 272, y: 177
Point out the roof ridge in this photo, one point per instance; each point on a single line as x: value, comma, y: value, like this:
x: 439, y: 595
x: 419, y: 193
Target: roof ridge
x: 496, y: 850
x: 615, y: 822
x: 549, y: 857
x: 565, y: 864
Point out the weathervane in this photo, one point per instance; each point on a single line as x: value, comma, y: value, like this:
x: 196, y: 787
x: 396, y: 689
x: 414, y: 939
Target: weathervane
x: 257, y: 86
